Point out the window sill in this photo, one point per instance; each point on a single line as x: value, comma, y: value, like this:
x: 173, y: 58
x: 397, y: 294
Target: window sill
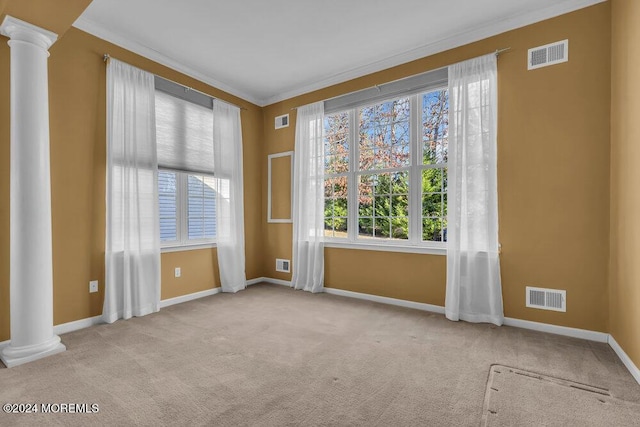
x: 188, y: 247
x: 431, y: 250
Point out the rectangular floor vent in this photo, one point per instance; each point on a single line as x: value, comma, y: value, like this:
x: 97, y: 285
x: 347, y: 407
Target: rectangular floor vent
x: 283, y: 265
x: 547, y: 299
x: 549, y: 54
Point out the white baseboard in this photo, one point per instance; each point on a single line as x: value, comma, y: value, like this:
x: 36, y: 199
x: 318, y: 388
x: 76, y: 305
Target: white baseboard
x: 624, y: 357
x: 277, y: 281
x: 558, y: 330
x: 386, y: 300
x: 269, y: 280
x: 65, y: 328
x: 189, y: 297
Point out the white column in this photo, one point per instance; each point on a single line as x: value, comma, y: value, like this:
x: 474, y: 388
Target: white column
x: 31, y: 274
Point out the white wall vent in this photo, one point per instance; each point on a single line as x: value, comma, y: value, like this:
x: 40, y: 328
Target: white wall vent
x: 547, y: 299
x: 549, y: 54
x: 283, y: 265
x: 282, y: 121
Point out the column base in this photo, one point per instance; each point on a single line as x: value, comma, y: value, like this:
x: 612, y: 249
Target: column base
x: 14, y: 356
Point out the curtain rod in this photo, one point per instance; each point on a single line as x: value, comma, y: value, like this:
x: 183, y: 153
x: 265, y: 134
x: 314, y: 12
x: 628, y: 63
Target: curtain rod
x: 497, y: 53
x: 106, y: 57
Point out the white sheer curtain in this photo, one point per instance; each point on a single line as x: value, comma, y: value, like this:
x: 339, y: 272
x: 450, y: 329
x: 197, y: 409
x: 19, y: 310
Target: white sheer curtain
x: 132, y: 255
x: 474, y: 291
x: 227, y: 154
x: 308, y: 200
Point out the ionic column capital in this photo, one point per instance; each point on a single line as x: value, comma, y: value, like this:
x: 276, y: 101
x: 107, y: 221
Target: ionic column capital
x: 19, y: 30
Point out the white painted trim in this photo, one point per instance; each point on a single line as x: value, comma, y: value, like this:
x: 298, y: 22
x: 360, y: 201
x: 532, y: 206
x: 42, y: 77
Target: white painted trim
x: 103, y: 33
x: 269, y: 280
x: 188, y: 247
x: 189, y: 297
x: 65, y: 328
x: 448, y: 42
x: 385, y: 300
x: 390, y: 247
x: 624, y: 357
x: 280, y: 282
x: 558, y: 330
x: 270, y: 157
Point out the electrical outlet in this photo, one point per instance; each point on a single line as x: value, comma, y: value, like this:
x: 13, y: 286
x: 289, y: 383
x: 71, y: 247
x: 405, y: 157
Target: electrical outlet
x: 178, y: 273
x: 93, y: 286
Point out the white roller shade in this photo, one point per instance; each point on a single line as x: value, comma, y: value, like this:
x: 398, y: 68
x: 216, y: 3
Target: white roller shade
x: 184, y: 133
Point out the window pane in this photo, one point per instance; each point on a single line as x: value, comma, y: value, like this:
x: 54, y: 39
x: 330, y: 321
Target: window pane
x: 201, y: 207
x: 434, y: 204
x: 432, y: 229
x: 435, y: 127
x: 384, y: 135
x: 335, y: 206
x: 383, y: 205
x: 336, y: 143
x: 167, y: 202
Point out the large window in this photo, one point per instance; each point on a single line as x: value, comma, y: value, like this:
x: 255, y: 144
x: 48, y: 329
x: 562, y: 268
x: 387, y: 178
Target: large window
x: 186, y: 186
x: 386, y: 171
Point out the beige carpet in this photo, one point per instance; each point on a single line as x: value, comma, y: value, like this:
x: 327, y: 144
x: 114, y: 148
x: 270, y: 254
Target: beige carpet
x: 515, y: 397
x: 272, y: 356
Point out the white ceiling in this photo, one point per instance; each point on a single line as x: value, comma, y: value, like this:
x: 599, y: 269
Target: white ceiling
x: 267, y: 51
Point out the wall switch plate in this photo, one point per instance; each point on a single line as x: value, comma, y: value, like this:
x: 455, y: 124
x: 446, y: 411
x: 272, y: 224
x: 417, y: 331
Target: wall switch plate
x: 93, y: 286
x: 178, y: 273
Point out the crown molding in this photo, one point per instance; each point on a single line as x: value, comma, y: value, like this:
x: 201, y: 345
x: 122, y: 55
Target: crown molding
x: 95, y: 29
x: 450, y: 42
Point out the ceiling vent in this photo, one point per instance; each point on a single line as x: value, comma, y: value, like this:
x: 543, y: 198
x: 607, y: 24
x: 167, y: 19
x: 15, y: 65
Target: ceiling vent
x: 547, y: 299
x: 282, y: 121
x: 550, y: 54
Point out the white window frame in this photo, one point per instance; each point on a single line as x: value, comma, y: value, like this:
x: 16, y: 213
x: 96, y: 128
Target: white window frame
x: 182, y: 242
x: 414, y: 244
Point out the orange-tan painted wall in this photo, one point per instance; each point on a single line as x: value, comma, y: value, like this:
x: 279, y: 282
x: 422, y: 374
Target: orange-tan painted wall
x: 77, y: 90
x: 553, y: 172
x: 555, y: 181
x: 624, y: 307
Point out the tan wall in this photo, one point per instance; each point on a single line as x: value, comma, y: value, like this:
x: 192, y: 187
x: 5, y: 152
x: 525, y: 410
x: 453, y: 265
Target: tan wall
x: 624, y: 297
x: 196, y: 269
x: 553, y: 147
x: 553, y: 173
x: 78, y: 154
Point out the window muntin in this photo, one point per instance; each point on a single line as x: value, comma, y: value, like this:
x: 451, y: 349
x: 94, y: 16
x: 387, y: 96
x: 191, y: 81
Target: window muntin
x: 392, y: 185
